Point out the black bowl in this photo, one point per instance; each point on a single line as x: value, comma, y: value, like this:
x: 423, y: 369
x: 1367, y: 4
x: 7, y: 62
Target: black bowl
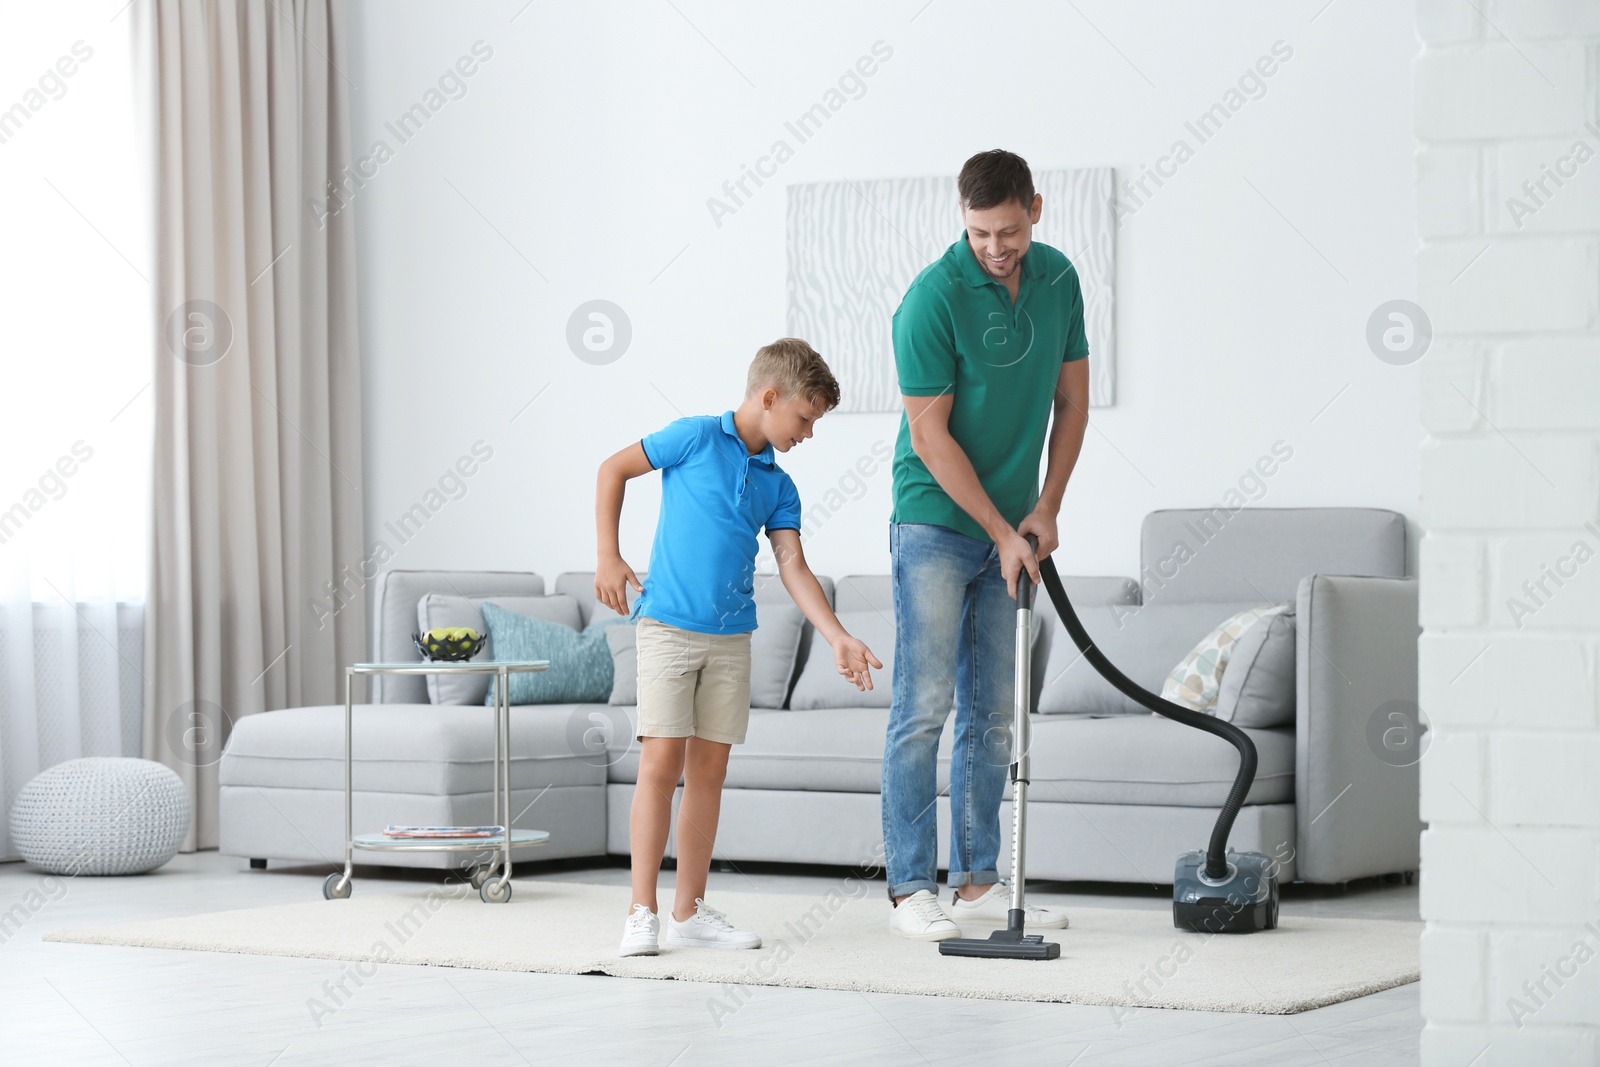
x: 448, y: 650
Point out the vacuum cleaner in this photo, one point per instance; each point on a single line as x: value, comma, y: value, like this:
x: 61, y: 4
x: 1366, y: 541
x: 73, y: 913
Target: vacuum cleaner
x: 1214, y: 890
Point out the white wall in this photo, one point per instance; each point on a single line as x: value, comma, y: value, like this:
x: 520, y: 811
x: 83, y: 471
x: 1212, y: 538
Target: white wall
x: 1511, y: 505
x: 584, y: 150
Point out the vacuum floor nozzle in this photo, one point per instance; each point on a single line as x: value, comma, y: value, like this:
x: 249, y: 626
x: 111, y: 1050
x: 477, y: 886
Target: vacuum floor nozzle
x: 1008, y: 944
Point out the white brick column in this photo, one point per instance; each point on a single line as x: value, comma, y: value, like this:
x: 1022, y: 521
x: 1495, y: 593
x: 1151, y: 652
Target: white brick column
x: 1507, y: 103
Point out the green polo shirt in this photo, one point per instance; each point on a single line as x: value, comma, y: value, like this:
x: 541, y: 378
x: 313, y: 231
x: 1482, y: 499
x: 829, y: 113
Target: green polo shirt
x: 956, y: 330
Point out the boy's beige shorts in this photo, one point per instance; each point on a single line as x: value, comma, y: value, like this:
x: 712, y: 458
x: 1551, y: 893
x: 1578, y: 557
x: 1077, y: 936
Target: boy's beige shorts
x: 692, y: 684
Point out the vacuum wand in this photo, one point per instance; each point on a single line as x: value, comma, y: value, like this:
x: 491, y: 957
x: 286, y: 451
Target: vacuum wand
x: 1011, y: 943
x: 1020, y: 774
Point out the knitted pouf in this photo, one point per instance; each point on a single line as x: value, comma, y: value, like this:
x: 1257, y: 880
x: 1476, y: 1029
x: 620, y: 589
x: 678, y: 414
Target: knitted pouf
x: 101, y: 815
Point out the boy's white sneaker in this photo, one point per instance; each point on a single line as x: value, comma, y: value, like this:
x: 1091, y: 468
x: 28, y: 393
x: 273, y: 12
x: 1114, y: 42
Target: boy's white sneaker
x: 641, y: 934
x: 994, y: 906
x: 920, y: 918
x: 708, y: 928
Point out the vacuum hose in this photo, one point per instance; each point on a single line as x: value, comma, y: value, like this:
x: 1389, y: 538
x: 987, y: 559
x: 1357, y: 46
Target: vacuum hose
x: 1216, y: 853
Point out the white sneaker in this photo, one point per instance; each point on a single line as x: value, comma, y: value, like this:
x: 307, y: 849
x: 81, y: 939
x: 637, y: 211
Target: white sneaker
x: 994, y: 906
x: 641, y: 934
x: 708, y: 928
x: 920, y: 918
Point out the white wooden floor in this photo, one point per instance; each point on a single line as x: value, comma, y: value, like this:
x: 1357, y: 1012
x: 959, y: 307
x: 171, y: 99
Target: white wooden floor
x: 92, y: 1004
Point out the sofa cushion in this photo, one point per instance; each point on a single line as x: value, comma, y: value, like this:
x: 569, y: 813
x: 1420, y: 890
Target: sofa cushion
x: 1145, y: 759
x: 1258, y: 686
x: 440, y: 609
x: 395, y: 619
x: 820, y: 684
x: 1143, y: 642
x: 1077, y: 759
x: 827, y: 749
x: 774, y: 647
x: 408, y: 748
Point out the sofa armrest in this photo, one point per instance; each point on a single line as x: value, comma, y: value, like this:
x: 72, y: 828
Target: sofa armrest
x: 1356, y: 798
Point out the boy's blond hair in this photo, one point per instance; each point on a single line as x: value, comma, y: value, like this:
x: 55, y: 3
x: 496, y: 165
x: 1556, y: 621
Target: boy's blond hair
x: 794, y: 368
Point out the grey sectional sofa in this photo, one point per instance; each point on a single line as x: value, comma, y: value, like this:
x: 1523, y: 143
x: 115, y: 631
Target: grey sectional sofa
x: 1116, y: 797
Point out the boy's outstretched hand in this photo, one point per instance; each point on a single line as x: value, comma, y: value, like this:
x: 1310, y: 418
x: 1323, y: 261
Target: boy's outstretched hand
x: 852, y: 657
x: 611, y: 580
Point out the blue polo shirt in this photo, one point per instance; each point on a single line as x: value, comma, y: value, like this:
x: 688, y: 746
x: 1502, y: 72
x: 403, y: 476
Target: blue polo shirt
x: 715, y: 498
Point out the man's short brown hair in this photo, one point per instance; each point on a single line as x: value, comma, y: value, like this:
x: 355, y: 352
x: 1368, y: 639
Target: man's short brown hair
x: 794, y: 368
x: 991, y: 178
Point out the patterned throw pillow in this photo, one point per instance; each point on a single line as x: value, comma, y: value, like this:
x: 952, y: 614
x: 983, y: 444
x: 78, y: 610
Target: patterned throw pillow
x: 580, y: 662
x: 1196, y: 681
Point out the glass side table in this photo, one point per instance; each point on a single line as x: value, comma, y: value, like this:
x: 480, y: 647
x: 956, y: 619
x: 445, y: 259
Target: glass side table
x: 492, y: 890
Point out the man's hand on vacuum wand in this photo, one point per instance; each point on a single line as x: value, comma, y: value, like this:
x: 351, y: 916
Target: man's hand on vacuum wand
x: 1042, y: 524
x: 1015, y: 554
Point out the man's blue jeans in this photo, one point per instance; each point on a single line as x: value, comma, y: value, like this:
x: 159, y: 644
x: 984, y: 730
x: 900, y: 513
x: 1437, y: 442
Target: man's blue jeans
x: 955, y: 643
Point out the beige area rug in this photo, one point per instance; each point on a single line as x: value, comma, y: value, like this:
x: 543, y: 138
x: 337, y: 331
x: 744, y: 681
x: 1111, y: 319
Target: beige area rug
x: 834, y: 939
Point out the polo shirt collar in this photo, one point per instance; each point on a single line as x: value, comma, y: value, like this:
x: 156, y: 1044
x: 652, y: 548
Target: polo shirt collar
x: 765, y: 455
x: 975, y: 276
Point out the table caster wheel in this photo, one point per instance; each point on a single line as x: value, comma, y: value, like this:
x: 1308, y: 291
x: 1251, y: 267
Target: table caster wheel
x: 495, y: 891
x: 480, y: 873
x: 331, y: 890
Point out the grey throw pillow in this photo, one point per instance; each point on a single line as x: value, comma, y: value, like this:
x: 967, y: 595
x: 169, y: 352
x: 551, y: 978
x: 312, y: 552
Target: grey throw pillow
x: 441, y: 609
x: 822, y: 686
x: 773, y: 648
x: 1257, y: 688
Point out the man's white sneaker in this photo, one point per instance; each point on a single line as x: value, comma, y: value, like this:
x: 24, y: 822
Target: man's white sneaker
x: 640, y: 936
x: 920, y: 918
x: 994, y: 906
x: 708, y: 928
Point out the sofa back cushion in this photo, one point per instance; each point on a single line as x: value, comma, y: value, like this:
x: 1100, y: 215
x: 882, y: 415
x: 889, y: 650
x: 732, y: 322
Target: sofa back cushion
x: 1081, y: 589
x: 1144, y: 642
x: 437, y: 609
x: 395, y: 620
x: 820, y: 684
x: 774, y: 652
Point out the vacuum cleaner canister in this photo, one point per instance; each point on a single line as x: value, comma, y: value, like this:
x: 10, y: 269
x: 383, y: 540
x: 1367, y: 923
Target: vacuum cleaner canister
x: 1241, y: 902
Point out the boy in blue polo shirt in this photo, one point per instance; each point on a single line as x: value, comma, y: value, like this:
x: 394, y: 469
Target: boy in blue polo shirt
x: 719, y: 488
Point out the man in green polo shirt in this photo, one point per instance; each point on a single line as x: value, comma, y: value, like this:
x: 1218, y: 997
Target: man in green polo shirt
x: 988, y: 342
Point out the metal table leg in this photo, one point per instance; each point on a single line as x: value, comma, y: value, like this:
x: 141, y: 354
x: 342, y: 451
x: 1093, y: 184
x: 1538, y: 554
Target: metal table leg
x: 337, y: 886
x: 505, y: 770
x: 498, y: 890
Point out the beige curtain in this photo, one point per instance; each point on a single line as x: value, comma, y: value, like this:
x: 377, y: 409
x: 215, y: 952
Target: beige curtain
x: 255, y: 598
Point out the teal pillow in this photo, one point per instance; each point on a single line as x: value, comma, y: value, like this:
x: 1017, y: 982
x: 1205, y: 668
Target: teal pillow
x: 580, y: 661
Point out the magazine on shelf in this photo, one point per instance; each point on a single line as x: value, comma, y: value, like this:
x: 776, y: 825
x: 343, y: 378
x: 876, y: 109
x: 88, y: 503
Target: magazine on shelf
x: 444, y: 831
